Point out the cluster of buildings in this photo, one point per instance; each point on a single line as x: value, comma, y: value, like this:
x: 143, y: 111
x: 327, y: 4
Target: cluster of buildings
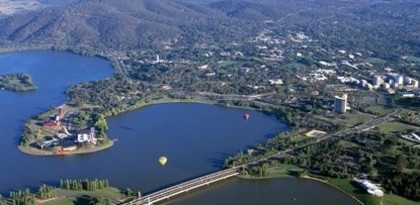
x: 393, y: 80
x: 64, y: 141
x: 69, y: 142
x: 318, y: 75
x: 389, y: 82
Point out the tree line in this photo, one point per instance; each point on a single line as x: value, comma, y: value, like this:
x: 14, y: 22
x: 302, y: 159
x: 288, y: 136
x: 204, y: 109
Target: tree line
x: 84, y: 185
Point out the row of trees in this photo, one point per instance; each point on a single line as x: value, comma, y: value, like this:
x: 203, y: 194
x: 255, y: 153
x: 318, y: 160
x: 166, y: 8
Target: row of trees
x: 45, y: 192
x: 22, y: 197
x: 86, y: 185
x: 2, y: 201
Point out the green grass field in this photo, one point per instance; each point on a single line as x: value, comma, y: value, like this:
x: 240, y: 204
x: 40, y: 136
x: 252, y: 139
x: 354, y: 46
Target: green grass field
x: 296, y: 65
x: 282, y: 170
x: 388, y: 127
x: 81, y: 197
x: 228, y: 63
x: 347, y: 144
x: 379, y: 110
x: 376, y: 61
x: 356, y: 118
x: 68, y: 201
x: 110, y: 192
x: 413, y: 59
x: 355, y: 190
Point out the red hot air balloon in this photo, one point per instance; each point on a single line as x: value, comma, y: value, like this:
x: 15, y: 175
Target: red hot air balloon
x: 246, y: 116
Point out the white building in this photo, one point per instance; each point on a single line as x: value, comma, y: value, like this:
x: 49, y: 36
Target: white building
x: 89, y: 137
x: 370, y: 187
x: 415, y: 83
x: 276, y: 82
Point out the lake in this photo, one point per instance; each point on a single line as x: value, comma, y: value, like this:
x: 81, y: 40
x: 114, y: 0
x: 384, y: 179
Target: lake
x: 196, y: 138
x: 284, y: 191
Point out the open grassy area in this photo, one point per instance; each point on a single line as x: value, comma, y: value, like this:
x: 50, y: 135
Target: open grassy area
x: 347, y: 144
x: 296, y: 65
x: 110, y: 192
x: 68, y: 201
x: 282, y: 170
x: 82, y: 197
x: 388, y: 127
x: 228, y: 63
x: 357, y: 191
x: 357, y: 118
x: 376, y: 61
x: 413, y: 59
x: 379, y: 110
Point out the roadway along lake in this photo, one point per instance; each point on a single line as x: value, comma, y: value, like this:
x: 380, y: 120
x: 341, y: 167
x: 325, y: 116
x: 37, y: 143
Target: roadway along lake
x: 196, y: 138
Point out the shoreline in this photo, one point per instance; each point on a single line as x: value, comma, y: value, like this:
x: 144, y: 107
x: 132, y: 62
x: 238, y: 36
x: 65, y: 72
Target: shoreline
x: 305, y: 178
x: 333, y: 186
x: 37, y: 152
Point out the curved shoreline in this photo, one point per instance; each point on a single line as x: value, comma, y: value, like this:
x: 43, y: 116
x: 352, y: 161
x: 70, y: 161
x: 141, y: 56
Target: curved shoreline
x: 304, y: 177
x: 37, y: 152
x: 331, y: 185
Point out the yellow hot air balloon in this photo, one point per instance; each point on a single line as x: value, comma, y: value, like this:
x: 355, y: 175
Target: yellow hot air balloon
x: 163, y: 160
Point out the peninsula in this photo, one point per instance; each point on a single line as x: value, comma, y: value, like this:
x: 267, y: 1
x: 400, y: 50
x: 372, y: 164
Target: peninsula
x: 67, y: 129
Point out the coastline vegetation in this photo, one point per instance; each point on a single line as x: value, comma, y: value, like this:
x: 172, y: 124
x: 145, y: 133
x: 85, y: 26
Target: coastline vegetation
x: 70, y: 192
x: 383, y: 157
x: 17, y: 82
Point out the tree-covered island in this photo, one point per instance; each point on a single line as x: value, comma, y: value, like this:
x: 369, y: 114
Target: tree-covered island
x: 18, y: 82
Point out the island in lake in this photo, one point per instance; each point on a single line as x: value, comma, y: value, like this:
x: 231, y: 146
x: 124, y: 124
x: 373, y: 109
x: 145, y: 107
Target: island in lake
x: 18, y: 82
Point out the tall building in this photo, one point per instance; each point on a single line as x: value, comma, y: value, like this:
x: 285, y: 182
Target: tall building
x: 340, y: 104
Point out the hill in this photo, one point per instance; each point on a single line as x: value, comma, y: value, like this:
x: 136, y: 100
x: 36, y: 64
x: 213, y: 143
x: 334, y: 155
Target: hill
x: 131, y: 24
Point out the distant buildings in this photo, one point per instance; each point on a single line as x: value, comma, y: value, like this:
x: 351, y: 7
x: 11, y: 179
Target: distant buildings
x: 340, y: 104
x: 276, y: 82
x: 398, y: 80
x: 392, y: 80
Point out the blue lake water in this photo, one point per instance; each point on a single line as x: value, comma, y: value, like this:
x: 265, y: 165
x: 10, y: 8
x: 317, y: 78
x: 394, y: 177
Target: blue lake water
x: 196, y: 138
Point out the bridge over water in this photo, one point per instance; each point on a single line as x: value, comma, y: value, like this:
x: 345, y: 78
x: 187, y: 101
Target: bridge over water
x: 184, y: 187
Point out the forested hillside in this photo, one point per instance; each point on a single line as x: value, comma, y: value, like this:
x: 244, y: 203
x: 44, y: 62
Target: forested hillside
x: 131, y: 24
